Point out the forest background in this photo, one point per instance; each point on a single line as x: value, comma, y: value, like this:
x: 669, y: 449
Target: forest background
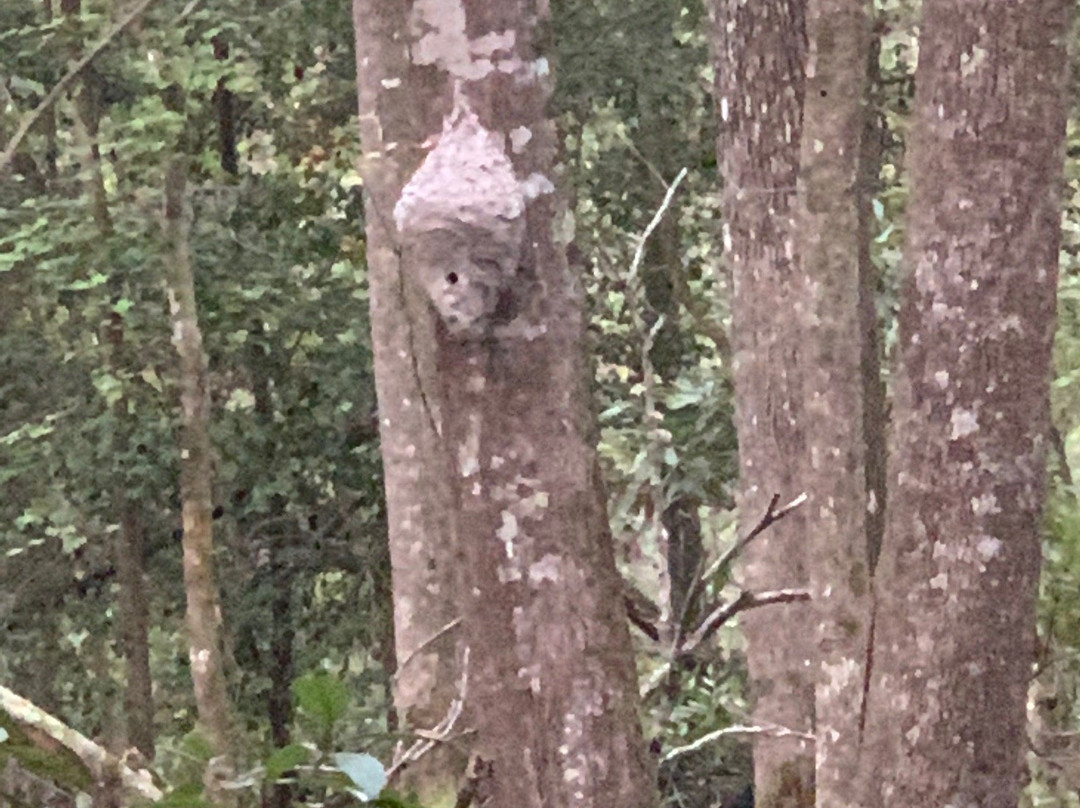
x: 257, y: 100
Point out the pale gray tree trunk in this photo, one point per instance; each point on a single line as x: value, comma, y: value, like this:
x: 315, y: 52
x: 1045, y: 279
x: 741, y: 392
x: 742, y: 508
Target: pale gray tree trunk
x: 830, y: 192
x: 397, y: 114
x: 760, y: 50
x: 959, y: 568
x: 203, y: 615
x: 485, y: 412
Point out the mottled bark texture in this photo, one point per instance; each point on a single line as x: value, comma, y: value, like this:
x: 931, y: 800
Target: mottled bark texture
x: 484, y: 411
x: 760, y: 49
x: 959, y: 568
x: 397, y: 113
x: 196, y: 476
x: 829, y: 206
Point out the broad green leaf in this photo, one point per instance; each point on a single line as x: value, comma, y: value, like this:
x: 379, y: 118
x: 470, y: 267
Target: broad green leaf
x: 286, y: 758
x: 322, y: 696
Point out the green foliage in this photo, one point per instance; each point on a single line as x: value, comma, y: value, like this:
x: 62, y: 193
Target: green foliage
x: 86, y: 425
x: 186, y: 796
x: 322, y: 696
x: 88, y: 421
x: 285, y: 758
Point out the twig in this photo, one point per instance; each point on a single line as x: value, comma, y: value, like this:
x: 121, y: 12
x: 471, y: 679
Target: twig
x: 441, y: 732
x: 744, y: 602
x: 651, y: 417
x: 639, y: 252
x: 634, y: 150
x: 772, y: 730
x: 452, y: 624
x: 769, y: 518
x: 58, y: 89
x: 711, y: 624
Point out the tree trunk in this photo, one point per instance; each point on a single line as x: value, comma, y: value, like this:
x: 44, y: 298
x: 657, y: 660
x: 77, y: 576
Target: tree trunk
x: 829, y: 231
x: 426, y: 568
x: 134, y: 615
x: 960, y: 564
x: 484, y: 406
x: 133, y: 603
x: 196, y: 475
x: 760, y: 49
x: 279, y: 667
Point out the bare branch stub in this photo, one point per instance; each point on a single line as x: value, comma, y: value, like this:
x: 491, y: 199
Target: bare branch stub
x: 744, y: 602
x: 771, y: 516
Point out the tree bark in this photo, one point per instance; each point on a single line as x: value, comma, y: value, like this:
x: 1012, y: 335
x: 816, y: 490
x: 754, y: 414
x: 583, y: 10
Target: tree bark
x: 960, y: 563
x: 484, y: 404
x: 196, y: 476
x: 426, y: 567
x: 829, y: 243
x: 760, y: 49
x: 134, y: 615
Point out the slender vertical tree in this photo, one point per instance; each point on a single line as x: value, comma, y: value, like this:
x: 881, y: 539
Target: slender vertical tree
x: 203, y: 614
x: 959, y: 568
x: 830, y: 191
x: 760, y: 50
x: 133, y: 606
x: 485, y: 408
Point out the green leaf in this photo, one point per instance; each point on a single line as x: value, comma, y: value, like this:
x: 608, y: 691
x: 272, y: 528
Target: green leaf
x: 150, y: 376
x: 685, y: 398
x: 187, y: 796
x: 364, y: 770
x: 286, y: 758
x: 195, y: 746
x: 322, y: 696
x: 97, y: 279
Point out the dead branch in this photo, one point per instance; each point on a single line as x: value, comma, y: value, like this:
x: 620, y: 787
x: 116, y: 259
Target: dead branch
x: 76, y: 70
x: 771, y: 730
x: 98, y: 760
x: 441, y: 732
x: 743, y: 602
x: 428, y: 641
x: 639, y: 251
x: 58, y: 88
x: 640, y: 609
x: 771, y: 516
